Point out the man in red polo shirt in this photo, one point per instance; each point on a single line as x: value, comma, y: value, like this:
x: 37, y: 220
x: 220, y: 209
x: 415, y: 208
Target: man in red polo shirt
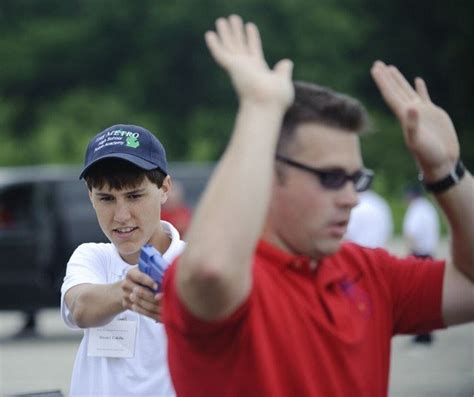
x: 266, y: 300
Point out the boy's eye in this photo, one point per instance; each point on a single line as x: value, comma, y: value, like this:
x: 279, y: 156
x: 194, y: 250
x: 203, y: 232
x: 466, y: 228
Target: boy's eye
x: 134, y: 196
x: 106, y: 198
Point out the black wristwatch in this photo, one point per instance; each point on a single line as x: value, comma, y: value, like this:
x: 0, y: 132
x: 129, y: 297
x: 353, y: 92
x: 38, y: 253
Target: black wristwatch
x: 448, y: 181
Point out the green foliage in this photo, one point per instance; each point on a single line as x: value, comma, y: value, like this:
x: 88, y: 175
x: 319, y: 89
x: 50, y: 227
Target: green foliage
x: 71, y: 68
x: 65, y: 126
x: 384, y: 151
x: 209, y: 126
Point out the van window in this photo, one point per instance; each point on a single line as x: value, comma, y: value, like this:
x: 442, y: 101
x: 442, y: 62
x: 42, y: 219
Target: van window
x: 79, y: 221
x: 16, y: 207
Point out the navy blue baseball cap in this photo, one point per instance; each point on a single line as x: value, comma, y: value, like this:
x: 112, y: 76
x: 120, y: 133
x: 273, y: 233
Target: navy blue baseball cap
x: 128, y: 142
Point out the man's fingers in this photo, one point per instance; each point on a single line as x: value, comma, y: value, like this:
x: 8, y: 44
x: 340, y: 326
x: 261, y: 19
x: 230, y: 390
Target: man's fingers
x: 401, y: 87
x: 144, y: 301
x: 150, y: 309
x: 238, y: 34
x: 232, y: 37
x: 144, y: 307
x: 152, y: 314
x: 284, y: 68
x: 142, y: 294
x: 421, y: 89
x: 253, y: 40
x: 215, y: 47
x: 226, y: 34
x: 387, y: 87
x: 135, y: 276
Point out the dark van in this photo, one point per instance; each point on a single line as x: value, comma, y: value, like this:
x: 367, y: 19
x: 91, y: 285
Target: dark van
x: 45, y: 213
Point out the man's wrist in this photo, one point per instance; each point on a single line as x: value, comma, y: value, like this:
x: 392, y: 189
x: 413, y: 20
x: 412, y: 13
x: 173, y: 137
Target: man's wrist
x: 270, y: 105
x: 448, y: 181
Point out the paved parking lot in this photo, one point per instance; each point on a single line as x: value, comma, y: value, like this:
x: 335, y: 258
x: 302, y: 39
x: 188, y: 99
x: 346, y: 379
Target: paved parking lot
x: 36, y: 364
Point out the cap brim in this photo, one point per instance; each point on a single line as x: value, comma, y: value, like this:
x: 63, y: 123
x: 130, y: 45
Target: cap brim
x: 138, y: 161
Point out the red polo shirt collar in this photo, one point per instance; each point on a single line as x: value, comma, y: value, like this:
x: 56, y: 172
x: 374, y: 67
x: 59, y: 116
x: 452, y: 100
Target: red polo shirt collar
x: 329, y: 270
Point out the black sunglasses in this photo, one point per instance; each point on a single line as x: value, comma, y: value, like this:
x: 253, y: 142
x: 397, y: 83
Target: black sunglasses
x: 334, y: 178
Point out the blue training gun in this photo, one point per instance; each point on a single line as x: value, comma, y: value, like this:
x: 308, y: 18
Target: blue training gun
x: 151, y: 262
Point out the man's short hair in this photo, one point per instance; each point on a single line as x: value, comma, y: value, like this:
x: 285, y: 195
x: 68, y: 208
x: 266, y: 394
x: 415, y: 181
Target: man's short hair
x: 120, y: 174
x: 317, y: 104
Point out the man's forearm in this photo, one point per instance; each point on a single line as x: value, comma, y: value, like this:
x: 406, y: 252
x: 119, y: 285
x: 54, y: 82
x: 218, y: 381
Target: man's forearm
x: 93, y: 305
x: 230, y: 216
x: 216, y: 263
x: 458, y: 206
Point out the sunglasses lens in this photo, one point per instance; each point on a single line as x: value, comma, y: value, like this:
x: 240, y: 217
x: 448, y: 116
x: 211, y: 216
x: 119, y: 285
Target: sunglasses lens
x: 333, y: 179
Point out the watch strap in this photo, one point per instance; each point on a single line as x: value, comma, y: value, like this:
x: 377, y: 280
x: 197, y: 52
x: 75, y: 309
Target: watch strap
x: 448, y: 181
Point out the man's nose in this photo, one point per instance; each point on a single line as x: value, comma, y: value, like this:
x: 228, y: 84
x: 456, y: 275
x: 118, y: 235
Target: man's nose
x: 122, y: 212
x: 348, y: 196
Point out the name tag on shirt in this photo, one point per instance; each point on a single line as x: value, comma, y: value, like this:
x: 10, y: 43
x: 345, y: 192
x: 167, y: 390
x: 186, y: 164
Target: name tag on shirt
x: 116, y: 339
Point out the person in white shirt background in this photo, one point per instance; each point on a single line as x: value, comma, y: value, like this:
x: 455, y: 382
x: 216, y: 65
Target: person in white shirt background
x: 371, y: 221
x: 421, y: 231
x: 421, y: 227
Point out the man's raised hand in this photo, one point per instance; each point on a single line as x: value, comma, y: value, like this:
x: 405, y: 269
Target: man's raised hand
x: 428, y: 130
x: 237, y: 49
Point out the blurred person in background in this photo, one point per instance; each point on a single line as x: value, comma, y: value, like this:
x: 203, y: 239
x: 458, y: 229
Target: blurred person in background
x: 265, y: 300
x: 123, y: 351
x: 421, y: 231
x: 421, y: 225
x: 175, y: 209
x: 371, y: 222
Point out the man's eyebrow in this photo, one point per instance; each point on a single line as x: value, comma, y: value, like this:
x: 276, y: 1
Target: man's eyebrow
x: 102, y: 194
x: 124, y: 193
x: 140, y: 190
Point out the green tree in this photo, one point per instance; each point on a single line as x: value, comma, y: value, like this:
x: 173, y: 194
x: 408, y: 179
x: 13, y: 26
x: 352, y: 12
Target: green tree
x: 71, y: 68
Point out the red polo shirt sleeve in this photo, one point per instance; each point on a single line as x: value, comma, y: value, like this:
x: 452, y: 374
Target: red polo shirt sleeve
x: 416, y: 289
x: 199, y: 343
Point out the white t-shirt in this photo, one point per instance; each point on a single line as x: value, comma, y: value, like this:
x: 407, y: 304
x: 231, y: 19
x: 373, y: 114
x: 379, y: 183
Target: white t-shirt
x: 371, y: 223
x: 421, y: 227
x: 146, y: 373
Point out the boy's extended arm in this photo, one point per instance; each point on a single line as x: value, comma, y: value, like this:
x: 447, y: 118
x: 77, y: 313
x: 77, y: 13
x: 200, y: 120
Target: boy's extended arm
x: 93, y: 305
x: 214, y: 272
x: 431, y: 138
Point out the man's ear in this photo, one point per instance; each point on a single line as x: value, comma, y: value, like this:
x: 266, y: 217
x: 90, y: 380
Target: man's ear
x: 165, y: 189
x: 90, y: 197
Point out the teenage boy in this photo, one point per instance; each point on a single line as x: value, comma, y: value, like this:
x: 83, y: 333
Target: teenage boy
x: 123, y: 351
